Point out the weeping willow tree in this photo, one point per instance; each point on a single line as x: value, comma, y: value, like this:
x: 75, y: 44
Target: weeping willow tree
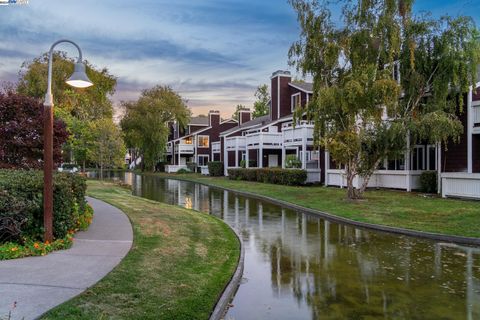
x: 381, y: 75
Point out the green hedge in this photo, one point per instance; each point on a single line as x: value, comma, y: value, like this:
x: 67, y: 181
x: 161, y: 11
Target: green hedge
x: 291, y: 177
x: 215, y: 168
x: 21, y: 193
x: 428, y: 182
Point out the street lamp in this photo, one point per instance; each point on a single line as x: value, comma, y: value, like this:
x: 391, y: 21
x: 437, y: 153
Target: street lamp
x: 78, y: 79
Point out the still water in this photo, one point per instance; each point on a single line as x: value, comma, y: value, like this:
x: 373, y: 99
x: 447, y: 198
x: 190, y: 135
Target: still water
x: 299, y: 266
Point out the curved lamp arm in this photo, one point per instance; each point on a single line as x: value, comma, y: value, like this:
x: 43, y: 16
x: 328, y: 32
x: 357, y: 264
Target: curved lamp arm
x: 48, y: 95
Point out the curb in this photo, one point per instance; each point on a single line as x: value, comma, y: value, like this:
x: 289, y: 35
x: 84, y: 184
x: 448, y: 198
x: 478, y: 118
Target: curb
x: 229, y: 292
x: 363, y: 225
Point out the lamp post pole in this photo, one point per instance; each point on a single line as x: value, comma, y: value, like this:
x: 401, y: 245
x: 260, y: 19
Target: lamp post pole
x: 78, y: 79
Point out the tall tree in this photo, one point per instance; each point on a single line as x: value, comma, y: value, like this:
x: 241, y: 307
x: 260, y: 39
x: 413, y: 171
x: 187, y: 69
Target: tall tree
x: 238, y: 108
x: 21, y: 133
x: 261, y: 104
x: 362, y: 114
x: 86, y: 104
x: 145, y: 124
x: 108, y: 149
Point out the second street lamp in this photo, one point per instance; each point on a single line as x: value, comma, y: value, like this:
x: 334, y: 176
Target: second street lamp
x: 78, y: 79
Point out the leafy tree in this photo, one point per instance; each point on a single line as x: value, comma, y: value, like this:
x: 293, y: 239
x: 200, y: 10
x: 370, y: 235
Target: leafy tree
x: 362, y: 114
x: 86, y: 104
x: 261, y: 104
x: 21, y: 133
x: 145, y: 124
x: 238, y: 108
x: 108, y: 150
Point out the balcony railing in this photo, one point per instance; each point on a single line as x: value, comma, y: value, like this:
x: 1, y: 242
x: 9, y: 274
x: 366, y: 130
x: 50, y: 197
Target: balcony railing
x: 185, y: 148
x: 216, y: 146
x: 235, y: 143
x: 264, y: 139
x: 476, y: 115
x: 296, y: 135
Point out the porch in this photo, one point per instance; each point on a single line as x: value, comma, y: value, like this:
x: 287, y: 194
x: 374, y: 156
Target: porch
x: 461, y: 185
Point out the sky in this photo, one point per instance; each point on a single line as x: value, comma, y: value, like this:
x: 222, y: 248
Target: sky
x: 214, y: 53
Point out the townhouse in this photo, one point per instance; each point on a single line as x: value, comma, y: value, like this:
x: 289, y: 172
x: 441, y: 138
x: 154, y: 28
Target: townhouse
x: 195, y: 144
x: 269, y: 140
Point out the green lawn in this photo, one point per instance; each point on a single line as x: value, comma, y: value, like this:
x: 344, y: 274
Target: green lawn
x: 385, y: 207
x: 178, y: 266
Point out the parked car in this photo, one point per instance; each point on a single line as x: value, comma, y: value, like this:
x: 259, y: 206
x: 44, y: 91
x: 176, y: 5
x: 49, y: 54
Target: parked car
x: 68, y: 167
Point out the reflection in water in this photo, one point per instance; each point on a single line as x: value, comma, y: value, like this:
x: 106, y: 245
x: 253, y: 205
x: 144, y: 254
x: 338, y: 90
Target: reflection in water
x: 299, y: 266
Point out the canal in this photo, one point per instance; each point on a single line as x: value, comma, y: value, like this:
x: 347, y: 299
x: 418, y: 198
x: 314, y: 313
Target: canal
x: 302, y: 266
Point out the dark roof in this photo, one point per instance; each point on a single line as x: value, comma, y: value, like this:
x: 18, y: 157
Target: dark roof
x: 304, y: 86
x: 198, y: 121
x: 254, y: 122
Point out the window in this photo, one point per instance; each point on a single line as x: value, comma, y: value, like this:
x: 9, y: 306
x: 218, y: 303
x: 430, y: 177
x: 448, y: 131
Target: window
x: 296, y: 100
x: 395, y: 164
x: 244, y: 156
x: 203, y: 141
x: 187, y: 140
x: 202, y: 160
x: 418, y: 158
x: 431, y: 157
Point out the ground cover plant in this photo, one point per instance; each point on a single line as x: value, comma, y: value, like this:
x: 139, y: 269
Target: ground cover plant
x: 179, y: 264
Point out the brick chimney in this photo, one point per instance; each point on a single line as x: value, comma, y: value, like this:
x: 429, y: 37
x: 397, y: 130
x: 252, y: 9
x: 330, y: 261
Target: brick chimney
x: 280, y: 95
x: 214, y: 118
x: 244, y: 115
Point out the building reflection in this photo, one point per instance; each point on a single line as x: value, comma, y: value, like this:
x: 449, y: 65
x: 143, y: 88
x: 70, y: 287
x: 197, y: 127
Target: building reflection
x: 332, y: 270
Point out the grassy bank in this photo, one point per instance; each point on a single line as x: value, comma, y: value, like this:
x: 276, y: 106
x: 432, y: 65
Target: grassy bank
x: 177, y: 268
x: 385, y: 207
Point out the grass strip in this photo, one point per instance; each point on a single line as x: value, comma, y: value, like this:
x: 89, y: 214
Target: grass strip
x: 177, y: 268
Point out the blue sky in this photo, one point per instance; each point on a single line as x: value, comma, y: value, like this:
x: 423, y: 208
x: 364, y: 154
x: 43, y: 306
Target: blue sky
x: 215, y: 53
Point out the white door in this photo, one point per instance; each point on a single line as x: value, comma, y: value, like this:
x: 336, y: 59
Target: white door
x: 273, y: 160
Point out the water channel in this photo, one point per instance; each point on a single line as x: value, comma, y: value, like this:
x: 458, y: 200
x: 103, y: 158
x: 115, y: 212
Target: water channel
x: 301, y: 266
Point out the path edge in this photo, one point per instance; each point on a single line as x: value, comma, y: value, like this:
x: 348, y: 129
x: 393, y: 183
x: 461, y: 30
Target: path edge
x: 231, y: 288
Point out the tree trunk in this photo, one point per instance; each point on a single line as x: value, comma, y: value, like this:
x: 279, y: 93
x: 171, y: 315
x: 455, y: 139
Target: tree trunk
x: 351, y: 192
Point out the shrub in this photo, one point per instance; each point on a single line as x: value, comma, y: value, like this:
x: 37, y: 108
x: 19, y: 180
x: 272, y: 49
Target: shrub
x: 22, y: 194
x: 192, y: 166
x: 428, y: 182
x: 243, y: 163
x: 183, y: 171
x: 215, y: 168
x: 270, y: 175
x: 291, y: 161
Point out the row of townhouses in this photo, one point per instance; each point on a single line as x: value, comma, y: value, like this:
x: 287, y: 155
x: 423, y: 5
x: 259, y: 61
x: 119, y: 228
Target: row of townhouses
x: 267, y: 141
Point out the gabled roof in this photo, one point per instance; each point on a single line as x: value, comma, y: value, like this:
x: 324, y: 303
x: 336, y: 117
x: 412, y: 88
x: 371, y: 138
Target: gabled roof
x: 248, y: 125
x: 198, y: 121
x: 302, y: 86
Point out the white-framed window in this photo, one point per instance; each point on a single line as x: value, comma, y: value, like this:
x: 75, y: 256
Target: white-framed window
x: 203, y: 141
x: 418, y: 158
x: 308, y: 155
x: 296, y: 99
x: 431, y: 157
x: 393, y: 164
x: 202, y: 160
x: 244, y: 156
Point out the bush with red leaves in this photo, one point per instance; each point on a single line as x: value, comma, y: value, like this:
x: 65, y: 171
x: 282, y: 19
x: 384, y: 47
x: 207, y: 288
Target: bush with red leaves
x: 21, y: 133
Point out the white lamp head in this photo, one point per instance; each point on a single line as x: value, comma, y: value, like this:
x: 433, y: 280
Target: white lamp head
x: 79, y: 78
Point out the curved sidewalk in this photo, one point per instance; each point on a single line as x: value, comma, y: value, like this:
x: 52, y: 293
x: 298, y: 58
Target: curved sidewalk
x: 37, y: 284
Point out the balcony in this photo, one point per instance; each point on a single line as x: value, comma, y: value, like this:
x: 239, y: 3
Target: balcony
x: 185, y: 147
x: 235, y: 143
x: 294, y: 136
x: 216, y: 146
x: 269, y: 140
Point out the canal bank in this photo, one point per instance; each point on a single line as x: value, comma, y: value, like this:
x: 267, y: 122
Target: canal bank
x: 301, y: 266
x: 409, y: 213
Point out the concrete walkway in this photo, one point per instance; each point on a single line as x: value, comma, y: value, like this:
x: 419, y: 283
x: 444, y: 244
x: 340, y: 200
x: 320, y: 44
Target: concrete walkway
x: 37, y: 284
